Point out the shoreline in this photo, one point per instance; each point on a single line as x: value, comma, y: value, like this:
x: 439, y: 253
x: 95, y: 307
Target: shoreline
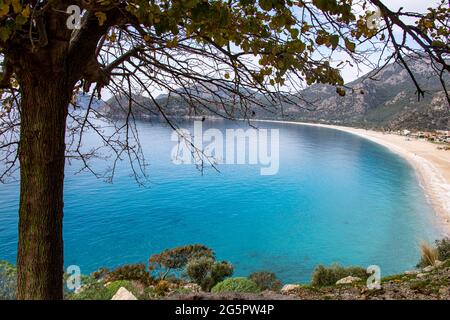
x: 431, y: 165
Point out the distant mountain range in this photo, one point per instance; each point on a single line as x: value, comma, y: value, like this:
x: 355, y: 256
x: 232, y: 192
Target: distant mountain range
x: 83, y: 101
x: 383, y: 98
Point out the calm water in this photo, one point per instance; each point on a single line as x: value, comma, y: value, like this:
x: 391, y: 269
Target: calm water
x: 336, y: 198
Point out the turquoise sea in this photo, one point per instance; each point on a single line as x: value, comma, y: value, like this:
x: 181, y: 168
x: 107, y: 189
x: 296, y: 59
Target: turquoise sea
x: 336, y: 198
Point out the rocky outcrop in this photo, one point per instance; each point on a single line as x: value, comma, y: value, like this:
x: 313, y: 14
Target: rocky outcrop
x: 348, y: 280
x: 123, y: 294
x: 429, y: 283
x: 290, y: 288
x: 425, y: 284
x: 266, y: 295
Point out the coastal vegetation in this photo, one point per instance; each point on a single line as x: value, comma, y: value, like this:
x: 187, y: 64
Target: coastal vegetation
x: 239, y: 284
x: 208, y: 282
x: 327, y: 276
x: 266, y: 280
x: 8, y: 281
x: 430, y: 254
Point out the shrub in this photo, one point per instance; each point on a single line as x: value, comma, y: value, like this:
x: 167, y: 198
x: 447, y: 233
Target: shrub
x: 429, y: 255
x: 177, y: 258
x: 137, y: 272
x: 100, y: 274
x: 328, y: 276
x: 86, y: 282
x: 443, y: 248
x: 98, y: 290
x: 149, y: 294
x: 114, y: 286
x: 95, y: 291
x: 266, y: 280
x: 206, y: 272
x: 240, y: 284
x: 162, y: 287
x: 8, y: 282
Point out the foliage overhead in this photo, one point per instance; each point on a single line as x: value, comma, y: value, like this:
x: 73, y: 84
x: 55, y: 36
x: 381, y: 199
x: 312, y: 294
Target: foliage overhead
x: 8, y: 281
x: 249, y: 49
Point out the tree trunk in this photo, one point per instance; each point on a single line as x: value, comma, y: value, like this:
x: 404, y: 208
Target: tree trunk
x: 44, y: 108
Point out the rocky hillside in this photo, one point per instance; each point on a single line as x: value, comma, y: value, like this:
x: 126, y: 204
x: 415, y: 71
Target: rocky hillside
x: 429, y: 283
x: 383, y: 98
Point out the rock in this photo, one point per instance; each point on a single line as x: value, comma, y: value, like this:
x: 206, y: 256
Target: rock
x: 348, y: 280
x: 421, y: 275
x: 444, y: 292
x: 428, y: 269
x: 412, y: 272
x: 123, y: 294
x: 290, y: 288
x: 438, y: 263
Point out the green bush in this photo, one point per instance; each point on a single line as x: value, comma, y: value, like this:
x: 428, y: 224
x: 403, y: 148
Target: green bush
x: 149, y: 294
x: 443, y: 248
x: 429, y: 254
x: 176, y: 259
x: 239, y: 284
x: 98, y: 291
x: 95, y: 291
x: 8, y: 282
x: 113, y: 287
x: 100, y: 274
x: 328, y: 276
x: 266, y: 280
x: 206, y: 272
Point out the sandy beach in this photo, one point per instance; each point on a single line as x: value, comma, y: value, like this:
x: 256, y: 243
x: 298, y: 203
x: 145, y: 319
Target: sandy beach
x: 431, y: 165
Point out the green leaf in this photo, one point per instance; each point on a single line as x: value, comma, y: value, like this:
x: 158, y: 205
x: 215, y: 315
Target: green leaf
x: 5, y: 33
x: 266, y: 5
x: 294, y: 33
x: 340, y: 92
x: 349, y: 45
x: 334, y: 39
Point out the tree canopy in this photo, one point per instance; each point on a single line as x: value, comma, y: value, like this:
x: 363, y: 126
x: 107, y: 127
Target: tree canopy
x: 258, y: 52
x: 247, y: 48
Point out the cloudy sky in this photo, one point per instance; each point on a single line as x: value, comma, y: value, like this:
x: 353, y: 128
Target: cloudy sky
x: 349, y: 74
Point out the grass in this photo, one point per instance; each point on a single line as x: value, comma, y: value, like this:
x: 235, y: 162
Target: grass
x: 429, y: 255
x: 398, y: 278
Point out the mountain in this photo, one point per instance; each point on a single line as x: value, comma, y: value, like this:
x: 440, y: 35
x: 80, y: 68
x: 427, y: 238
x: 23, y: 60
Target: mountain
x: 384, y: 98
x: 198, y: 100
x: 83, y: 100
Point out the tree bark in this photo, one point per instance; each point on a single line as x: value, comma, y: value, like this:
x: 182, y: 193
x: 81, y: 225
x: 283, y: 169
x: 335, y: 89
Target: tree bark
x: 44, y: 108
